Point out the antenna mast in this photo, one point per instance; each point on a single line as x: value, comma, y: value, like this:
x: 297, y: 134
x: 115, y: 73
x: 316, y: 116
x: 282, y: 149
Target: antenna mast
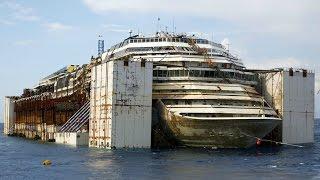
x: 173, y: 26
x: 100, y: 45
x: 228, y: 46
x: 158, y: 25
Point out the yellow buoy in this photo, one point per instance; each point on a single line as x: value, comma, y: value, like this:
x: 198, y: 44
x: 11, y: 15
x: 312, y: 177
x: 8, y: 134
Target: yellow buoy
x: 46, y: 162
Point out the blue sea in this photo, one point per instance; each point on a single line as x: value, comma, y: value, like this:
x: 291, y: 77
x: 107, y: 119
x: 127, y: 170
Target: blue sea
x: 22, y: 159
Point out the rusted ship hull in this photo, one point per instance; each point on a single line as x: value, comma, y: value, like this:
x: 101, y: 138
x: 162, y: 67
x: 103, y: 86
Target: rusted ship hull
x: 221, y: 133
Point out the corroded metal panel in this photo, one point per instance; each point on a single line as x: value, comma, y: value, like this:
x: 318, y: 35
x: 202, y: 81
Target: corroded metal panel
x: 121, y: 98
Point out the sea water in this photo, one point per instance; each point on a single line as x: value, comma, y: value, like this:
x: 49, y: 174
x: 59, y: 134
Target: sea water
x: 22, y: 159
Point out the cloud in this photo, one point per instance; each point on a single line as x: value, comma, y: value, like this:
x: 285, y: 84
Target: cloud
x: 6, y: 22
x: 269, y: 63
x: 115, y: 28
x: 57, y: 26
x: 286, y: 62
x: 23, y: 43
x: 20, y: 12
x: 264, y: 15
x: 198, y: 34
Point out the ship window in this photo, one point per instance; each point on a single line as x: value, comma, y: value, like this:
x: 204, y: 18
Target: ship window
x: 156, y: 40
x: 196, y: 73
x: 135, y: 41
x: 248, y: 77
x: 176, y: 102
x: 226, y: 74
x: 191, y: 73
x: 143, y: 63
x: 217, y: 74
x: 155, y: 73
x: 171, y: 74
x: 206, y: 73
x: 152, y: 40
x: 201, y: 73
x: 176, y: 73
x: 165, y: 73
x: 232, y: 74
x: 160, y: 39
x: 125, y: 62
x: 304, y: 73
x: 290, y: 72
x: 182, y: 73
x: 160, y: 73
x: 237, y: 76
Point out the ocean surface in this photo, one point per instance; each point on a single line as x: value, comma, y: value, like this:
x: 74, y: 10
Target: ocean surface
x: 22, y: 159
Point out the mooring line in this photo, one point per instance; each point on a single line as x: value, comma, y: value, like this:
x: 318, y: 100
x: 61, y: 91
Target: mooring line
x: 267, y: 140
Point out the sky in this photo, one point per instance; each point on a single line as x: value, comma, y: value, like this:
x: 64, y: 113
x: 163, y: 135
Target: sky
x: 38, y: 37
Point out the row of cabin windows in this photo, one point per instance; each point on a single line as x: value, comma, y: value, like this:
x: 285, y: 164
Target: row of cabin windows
x: 214, y: 102
x: 171, y: 48
x: 169, y: 39
x: 161, y: 48
x: 218, y: 115
x: 202, y: 73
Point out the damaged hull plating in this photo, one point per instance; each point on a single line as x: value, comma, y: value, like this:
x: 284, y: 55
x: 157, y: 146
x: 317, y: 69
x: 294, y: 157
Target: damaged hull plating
x: 214, y: 133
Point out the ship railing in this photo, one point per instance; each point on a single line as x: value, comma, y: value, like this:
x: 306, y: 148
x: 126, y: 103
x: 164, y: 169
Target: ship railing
x: 77, y: 120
